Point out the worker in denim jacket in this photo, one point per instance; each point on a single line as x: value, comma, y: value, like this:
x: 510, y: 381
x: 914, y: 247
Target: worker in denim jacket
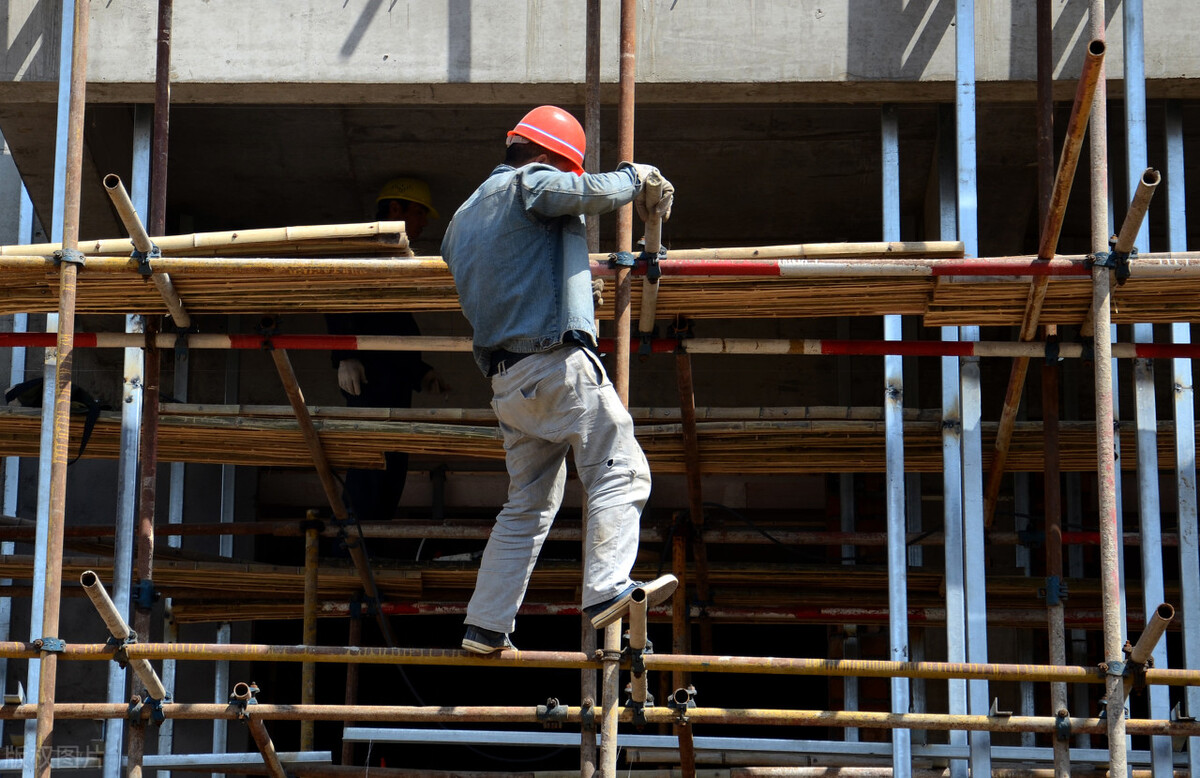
x: 518, y: 252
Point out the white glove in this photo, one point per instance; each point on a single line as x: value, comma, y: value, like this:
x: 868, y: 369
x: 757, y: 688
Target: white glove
x: 351, y: 376
x: 662, y: 207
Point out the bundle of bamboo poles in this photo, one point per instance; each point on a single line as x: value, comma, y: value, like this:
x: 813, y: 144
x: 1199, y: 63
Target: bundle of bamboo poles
x: 378, y: 238
x: 733, y: 446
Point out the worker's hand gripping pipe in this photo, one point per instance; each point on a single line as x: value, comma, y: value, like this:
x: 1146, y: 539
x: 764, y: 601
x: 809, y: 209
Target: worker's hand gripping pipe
x: 121, y: 632
x: 653, y: 242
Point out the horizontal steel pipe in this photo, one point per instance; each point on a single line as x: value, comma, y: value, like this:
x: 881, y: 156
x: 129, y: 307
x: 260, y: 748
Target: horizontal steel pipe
x: 655, y: 715
x: 121, y: 631
x: 577, y: 660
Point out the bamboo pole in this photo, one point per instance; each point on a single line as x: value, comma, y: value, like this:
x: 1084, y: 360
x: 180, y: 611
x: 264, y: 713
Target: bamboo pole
x: 364, y: 234
x: 1048, y: 243
x: 60, y: 441
x: 141, y: 243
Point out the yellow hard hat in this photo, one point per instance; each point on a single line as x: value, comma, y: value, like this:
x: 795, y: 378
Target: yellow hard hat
x: 406, y: 188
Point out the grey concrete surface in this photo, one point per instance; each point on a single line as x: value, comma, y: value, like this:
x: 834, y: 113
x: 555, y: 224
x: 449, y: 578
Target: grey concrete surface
x: 460, y: 50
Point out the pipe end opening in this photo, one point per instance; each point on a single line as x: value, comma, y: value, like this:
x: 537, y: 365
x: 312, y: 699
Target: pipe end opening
x: 1096, y: 48
x: 89, y: 579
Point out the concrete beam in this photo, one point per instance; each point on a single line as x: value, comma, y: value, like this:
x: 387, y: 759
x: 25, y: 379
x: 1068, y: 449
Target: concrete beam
x: 499, y: 51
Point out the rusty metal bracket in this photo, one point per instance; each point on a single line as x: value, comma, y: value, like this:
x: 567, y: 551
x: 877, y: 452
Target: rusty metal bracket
x: 1062, y: 725
x: 587, y: 715
x: 119, y: 646
x: 622, y: 259
x: 52, y: 645
x: 144, y: 257
x: 70, y: 256
x: 552, y: 715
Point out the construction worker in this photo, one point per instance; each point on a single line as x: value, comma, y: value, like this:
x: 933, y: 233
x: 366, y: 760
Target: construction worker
x: 384, y: 379
x: 518, y: 252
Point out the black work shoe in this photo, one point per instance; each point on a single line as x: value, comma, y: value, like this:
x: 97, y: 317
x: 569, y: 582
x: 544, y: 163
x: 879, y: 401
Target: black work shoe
x: 659, y: 590
x: 484, y: 641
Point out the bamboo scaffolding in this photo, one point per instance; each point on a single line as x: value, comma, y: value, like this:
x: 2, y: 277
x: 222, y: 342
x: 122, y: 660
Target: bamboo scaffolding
x: 944, y: 292
x: 312, y: 240
x: 734, y: 447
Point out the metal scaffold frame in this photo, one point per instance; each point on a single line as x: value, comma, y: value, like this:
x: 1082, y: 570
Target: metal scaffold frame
x: 970, y: 490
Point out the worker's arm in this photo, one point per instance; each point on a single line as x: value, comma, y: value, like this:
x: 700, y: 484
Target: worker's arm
x: 550, y: 193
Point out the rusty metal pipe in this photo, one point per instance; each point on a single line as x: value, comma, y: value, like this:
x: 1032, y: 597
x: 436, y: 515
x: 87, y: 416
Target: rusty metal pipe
x: 529, y: 715
x: 355, y: 638
x: 121, y: 631
x: 354, y: 545
x: 60, y: 440
x: 1048, y: 243
x: 162, y: 119
x: 1142, y: 650
x: 244, y: 693
x: 308, y: 670
x: 1136, y: 214
x: 141, y: 242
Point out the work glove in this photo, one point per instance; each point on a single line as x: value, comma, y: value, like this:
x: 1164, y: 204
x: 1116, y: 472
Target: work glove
x: 661, y: 208
x: 432, y: 383
x: 351, y: 376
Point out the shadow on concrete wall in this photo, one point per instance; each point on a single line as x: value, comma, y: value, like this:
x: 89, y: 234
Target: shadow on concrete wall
x: 458, y: 43
x: 1070, y: 35
x: 360, y: 28
x: 33, y: 49
x: 895, y: 40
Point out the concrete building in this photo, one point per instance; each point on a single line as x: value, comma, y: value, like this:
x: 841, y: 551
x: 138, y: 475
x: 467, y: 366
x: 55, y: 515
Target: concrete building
x: 779, y: 123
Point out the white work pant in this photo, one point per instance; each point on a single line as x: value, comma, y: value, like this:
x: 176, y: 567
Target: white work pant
x: 548, y: 403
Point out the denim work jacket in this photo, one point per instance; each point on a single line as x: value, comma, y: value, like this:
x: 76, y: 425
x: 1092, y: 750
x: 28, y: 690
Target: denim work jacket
x: 518, y: 251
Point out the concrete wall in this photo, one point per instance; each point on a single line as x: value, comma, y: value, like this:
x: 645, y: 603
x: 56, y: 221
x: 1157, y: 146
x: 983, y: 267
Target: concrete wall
x: 468, y: 51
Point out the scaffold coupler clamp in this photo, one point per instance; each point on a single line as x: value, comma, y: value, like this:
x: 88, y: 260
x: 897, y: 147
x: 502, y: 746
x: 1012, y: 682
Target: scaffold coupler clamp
x: 241, y: 704
x: 621, y: 259
x: 268, y: 327
x: 1135, y: 670
x: 1052, y: 351
x: 157, y: 715
x: 650, y: 261
x: 119, y: 646
x: 587, y: 715
x: 144, y: 595
x: 637, y: 656
x: 682, y: 699
x: 1117, y: 261
x: 133, y: 714
x: 50, y: 645
x: 70, y: 256
x: 1055, y: 591
x: 144, y: 258
x: 1062, y: 725
x: 680, y: 331
x: 361, y: 605
x: 638, y: 709
x: 552, y: 715
x: 646, y: 342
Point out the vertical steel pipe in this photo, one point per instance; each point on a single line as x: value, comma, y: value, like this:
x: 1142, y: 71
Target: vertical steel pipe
x: 1052, y: 502
x: 351, y: 699
x: 627, y: 78
x: 162, y: 120
x: 893, y: 404
x: 1185, y: 430
x: 225, y: 547
x: 952, y: 448
x: 1110, y: 571
x: 60, y: 444
x: 308, y: 670
x: 591, y: 123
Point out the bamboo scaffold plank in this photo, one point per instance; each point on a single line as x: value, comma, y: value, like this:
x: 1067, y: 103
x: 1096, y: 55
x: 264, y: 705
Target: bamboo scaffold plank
x: 1163, y: 287
x: 741, y: 447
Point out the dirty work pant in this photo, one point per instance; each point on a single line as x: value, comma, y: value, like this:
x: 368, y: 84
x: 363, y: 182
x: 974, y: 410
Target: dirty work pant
x: 547, y: 404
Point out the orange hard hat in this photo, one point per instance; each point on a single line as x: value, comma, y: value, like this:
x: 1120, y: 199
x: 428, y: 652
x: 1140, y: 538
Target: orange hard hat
x: 553, y: 128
